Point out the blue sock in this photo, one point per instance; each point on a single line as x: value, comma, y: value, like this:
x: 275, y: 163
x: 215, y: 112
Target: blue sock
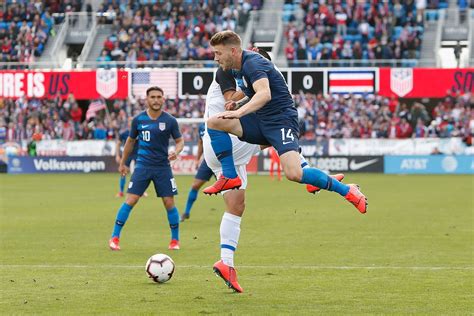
x: 122, y: 183
x: 173, y: 219
x: 318, y: 178
x: 192, y: 196
x: 222, y: 146
x: 122, y: 216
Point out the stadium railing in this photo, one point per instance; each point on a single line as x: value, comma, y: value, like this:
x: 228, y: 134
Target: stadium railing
x: 211, y: 64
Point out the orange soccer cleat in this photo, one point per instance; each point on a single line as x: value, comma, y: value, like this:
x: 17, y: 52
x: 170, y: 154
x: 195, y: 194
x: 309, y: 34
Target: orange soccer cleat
x: 314, y: 189
x: 357, y: 198
x: 174, y: 244
x: 114, y: 243
x: 228, y: 274
x: 223, y: 184
x: 119, y: 195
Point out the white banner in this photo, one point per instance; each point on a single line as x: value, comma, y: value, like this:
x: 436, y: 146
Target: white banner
x: 411, y: 146
x: 91, y: 148
x: 53, y: 147
x: 59, y: 147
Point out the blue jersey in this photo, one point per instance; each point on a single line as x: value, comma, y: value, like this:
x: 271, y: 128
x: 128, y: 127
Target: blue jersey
x: 255, y: 67
x: 153, y: 138
x: 123, y: 139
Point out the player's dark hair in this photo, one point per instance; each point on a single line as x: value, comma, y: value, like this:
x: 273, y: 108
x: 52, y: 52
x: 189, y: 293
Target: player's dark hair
x: 264, y: 53
x: 226, y: 38
x: 154, y: 88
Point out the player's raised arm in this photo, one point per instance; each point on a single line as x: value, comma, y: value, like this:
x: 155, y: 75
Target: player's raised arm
x: 262, y: 96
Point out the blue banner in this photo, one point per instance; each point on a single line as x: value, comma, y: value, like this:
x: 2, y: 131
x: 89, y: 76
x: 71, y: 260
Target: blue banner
x: 25, y: 164
x: 435, y: 164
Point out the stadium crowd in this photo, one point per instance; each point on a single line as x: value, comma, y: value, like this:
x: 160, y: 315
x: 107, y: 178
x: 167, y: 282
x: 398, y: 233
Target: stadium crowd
x: 25, y: 27
x: 327, y: 30
x: 320, y: 117
x: 167, y: 30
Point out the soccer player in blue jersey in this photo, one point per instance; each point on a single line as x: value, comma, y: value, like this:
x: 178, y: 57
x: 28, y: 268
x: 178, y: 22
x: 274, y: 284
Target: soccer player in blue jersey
x: 152, y: 129
x: 269, y: 118
x: 204, y: 173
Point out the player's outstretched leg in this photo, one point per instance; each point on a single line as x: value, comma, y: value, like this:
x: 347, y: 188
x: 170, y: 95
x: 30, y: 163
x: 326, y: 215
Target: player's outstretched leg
x: 222, y: 146
x: 173, y: 220
x: 352, y: 194
x: 311, y: 188
x: 316, y: 177
x: 314, y: 189
x: 122, y: 216
x: 230, y: 233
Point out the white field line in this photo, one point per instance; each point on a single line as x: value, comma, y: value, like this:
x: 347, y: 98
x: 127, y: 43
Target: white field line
x: 269, y: 267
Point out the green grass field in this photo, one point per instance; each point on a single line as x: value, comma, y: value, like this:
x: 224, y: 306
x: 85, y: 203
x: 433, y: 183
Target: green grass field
x: 412, y: 253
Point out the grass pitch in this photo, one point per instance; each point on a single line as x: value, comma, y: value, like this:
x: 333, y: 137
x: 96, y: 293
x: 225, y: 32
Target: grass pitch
x: 298, y: 253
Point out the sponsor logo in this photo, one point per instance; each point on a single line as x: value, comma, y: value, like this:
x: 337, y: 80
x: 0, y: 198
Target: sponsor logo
x: 55, y: 165
x: 334, y: 164
x: 16, y: 162
x: 145, y: 126
x: 401, y: 81
x: 359, y: 165
x: 106, y: 82
x: 414, y: 164
x: 449, y: 164
x: 286, y: 143
x: 162, y: 126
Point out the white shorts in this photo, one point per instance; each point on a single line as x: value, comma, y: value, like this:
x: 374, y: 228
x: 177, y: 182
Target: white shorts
x: 241, y: 151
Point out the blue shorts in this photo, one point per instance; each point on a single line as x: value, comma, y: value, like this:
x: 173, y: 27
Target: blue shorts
x: 281, y: 132
x: 163, y: 180
x: 204, y: 172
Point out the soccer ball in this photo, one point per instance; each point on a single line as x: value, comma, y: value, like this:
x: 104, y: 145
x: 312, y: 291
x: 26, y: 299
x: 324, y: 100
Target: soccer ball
x: 160, y: 268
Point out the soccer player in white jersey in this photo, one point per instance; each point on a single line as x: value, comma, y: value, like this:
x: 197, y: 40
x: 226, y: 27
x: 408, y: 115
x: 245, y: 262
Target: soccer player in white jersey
x: 222, y: 89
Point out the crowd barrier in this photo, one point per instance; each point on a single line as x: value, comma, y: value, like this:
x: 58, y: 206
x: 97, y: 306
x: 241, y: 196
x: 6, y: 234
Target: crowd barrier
x: 414, y: 155
x: 186, y: 164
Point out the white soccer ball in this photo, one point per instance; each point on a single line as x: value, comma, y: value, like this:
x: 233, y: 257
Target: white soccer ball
x: 160, y: 268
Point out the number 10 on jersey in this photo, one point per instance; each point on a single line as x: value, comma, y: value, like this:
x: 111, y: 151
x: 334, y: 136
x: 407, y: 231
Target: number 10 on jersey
x: 146, y: 136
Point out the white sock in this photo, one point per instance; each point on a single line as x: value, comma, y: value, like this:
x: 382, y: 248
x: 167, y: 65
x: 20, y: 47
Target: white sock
x: 230, y: 232
x: 304, y: 163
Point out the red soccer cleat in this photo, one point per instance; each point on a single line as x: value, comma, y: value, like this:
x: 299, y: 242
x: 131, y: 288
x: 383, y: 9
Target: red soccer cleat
x: 223, y: 184
x: 119, y: 195
x: 314, y: 189
x: 174, y: 244
x: 114, y: 243
x: 357, y: 198
x: 228, y: 274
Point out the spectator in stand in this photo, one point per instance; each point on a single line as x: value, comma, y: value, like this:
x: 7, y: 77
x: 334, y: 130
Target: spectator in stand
x: 319, y: 117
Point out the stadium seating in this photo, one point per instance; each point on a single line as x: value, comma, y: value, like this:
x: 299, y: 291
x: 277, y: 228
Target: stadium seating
x: 384, y: 30
x: 157, y: 30
x: 26, y: 25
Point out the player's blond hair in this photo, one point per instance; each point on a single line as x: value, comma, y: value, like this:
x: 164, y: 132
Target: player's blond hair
x: 226, y: 38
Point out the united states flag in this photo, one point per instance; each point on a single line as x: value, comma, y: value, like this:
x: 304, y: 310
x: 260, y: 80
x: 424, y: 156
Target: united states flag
x: 355, y: 82
x: 167, y: 79
x: 93, y: 108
